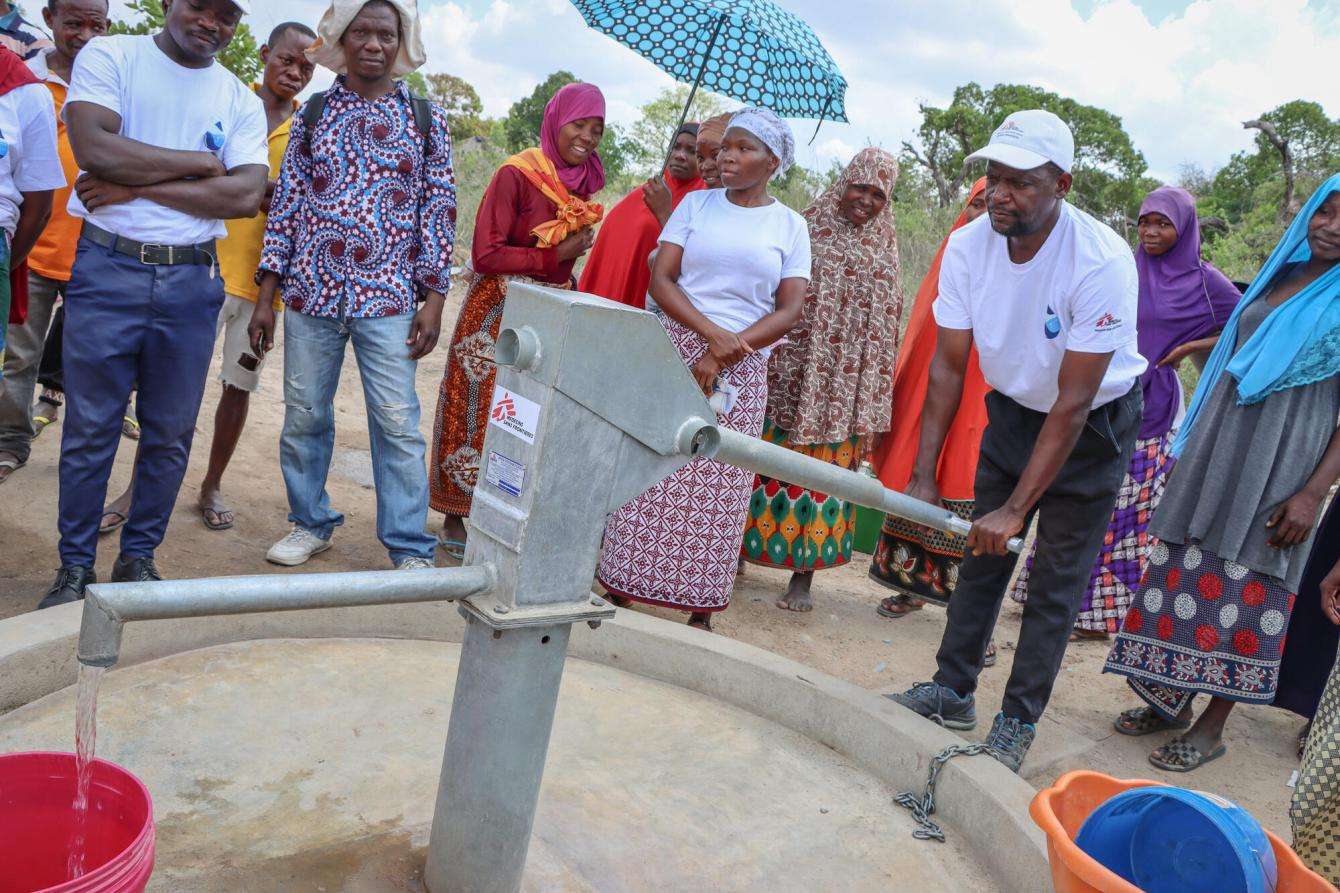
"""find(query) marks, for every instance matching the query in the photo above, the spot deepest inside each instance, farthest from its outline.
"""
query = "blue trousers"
(128, 323)
(313, 356)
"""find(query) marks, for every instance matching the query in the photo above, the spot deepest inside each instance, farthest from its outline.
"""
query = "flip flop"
(989, 660)
(40, 423)
(130, 427)
(1147, 721)
(219, 523)
(104, 529)
(454, 549)
(8, 466)
(900, 605)
(1180, 756)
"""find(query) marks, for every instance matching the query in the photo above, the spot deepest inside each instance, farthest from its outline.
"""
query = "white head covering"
(772, 131)
(328, 52)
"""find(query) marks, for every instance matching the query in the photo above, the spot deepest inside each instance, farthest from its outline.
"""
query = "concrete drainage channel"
(982, 806)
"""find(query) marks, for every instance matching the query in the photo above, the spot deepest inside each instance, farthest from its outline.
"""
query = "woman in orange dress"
(919, 563)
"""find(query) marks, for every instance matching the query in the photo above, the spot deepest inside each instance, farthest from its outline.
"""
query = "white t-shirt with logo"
(168, 105)
(30, 160)
(735, 257)
(1079, 292)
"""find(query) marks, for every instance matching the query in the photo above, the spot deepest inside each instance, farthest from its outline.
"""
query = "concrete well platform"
(312, 765)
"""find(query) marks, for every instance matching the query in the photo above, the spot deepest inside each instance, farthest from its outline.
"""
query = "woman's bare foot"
(453, 528)
(797, 597)
(702, 620)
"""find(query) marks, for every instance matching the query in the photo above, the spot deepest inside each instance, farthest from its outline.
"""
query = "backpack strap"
(423, 118)
(311, 111)
(422, 109)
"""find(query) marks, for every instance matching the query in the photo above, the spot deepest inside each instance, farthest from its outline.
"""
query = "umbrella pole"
(697, 82)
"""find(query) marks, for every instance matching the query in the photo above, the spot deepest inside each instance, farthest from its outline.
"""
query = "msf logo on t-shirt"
(1051, 326)
(1106, 323)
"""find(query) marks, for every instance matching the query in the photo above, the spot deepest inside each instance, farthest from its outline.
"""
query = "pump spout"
(108, 607)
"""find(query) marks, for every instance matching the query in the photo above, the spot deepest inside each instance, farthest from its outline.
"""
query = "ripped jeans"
(313, 356)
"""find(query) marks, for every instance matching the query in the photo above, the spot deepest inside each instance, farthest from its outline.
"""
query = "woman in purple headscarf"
(534, 221)
(1184, 302)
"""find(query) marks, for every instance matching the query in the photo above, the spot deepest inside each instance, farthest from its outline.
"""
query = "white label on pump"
(508, 475)
(514, 414)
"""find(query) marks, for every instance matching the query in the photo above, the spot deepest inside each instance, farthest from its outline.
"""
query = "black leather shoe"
(69, 586)
(134, 570)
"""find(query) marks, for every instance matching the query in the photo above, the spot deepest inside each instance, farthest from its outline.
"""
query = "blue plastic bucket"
(1171, 840)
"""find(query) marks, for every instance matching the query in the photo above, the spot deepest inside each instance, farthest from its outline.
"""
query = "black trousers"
(1073, 516)
(51, 371)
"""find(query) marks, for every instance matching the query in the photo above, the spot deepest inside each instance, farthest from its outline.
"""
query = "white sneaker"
(414, 563)
(294, 549)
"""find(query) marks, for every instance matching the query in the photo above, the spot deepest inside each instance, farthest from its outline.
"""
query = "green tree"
(465, 110)
(241, 56)
(522, 124)
(1109, 171)
(650, 136)
(1252, 197)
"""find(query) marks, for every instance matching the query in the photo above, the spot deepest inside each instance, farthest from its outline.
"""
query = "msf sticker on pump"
(514, 414)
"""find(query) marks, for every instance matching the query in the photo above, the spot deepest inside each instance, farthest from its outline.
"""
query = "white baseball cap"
(1030, 139)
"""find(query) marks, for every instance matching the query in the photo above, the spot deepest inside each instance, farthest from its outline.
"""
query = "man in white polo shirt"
(1048, 296)
(171, 144)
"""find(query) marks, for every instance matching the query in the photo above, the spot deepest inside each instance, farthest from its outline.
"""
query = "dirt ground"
(843, 636)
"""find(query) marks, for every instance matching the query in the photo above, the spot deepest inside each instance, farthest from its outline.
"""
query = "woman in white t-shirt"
(730, 280)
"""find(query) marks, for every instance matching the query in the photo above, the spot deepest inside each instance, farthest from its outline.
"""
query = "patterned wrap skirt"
(678, 544)
(1201, 624)
(1315, 811)
(1121, 561)
(794, 528)
(466, 394)
(918, 561)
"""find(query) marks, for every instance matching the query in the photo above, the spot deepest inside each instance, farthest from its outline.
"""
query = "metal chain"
(923, 807)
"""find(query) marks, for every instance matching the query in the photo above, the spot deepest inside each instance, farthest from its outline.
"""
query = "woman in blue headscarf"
(1257, 454)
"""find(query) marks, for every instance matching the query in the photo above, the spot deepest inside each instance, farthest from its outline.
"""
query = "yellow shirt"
(240, 250)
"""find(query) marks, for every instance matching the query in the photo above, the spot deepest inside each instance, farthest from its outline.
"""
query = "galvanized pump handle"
(778, 462)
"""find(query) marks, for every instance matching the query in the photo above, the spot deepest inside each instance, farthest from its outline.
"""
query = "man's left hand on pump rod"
(992, 531)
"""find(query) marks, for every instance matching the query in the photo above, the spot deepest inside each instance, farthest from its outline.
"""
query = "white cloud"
(1183, 87)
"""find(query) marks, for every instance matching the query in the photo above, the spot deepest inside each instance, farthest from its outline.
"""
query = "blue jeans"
(128, 322)
(313, 355)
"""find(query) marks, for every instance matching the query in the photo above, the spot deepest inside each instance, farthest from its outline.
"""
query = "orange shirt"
(53, 255)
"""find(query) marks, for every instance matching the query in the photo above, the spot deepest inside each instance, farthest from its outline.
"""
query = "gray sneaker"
(414, 563)
(1010, 739)
(939, 703)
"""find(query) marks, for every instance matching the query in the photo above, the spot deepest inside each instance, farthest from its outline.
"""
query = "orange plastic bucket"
(1060, 810)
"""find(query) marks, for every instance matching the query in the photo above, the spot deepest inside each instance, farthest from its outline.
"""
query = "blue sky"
(1182, 74)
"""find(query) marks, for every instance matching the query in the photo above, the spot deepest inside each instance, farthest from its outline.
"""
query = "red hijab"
(617, 268)
(898, 451)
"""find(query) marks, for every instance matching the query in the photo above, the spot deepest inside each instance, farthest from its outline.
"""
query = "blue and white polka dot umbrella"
(750, 50)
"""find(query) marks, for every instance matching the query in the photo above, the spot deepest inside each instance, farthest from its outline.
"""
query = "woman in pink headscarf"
(534, 221)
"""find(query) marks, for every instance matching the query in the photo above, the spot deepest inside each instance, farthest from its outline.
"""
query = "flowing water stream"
(85, 741)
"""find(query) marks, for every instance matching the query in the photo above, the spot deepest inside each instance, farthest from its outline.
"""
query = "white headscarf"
(328, 52)
(772, 131)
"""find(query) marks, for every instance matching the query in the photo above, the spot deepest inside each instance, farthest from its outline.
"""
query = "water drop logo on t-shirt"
(1052, 326)
(4, 145)
(214, 137)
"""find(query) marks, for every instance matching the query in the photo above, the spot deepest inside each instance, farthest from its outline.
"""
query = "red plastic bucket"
(37, 815)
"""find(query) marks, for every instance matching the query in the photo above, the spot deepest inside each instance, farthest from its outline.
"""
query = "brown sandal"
(900, 605)
(1140, 721)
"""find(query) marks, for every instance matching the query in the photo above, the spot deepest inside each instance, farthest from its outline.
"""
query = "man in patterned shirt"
(358, 244)
(19, 35)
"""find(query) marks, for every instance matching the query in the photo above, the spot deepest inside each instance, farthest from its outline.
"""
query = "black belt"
(154, 255)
